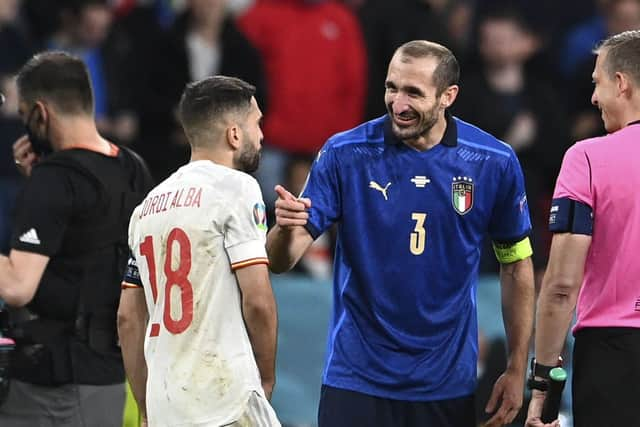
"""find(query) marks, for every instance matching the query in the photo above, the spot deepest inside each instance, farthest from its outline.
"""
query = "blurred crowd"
(319, 68)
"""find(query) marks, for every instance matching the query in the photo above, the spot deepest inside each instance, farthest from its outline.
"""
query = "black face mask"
(41, 146)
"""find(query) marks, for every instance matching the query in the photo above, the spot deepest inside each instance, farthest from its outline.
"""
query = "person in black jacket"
(68, 253)
(203, 41)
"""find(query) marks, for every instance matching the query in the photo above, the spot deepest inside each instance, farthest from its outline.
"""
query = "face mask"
(41, 146)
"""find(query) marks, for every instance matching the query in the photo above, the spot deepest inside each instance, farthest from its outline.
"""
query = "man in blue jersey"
(413, 193)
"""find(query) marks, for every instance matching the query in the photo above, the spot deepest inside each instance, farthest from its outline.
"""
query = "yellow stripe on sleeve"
(127, 285)
(248, 262)
(512, 252)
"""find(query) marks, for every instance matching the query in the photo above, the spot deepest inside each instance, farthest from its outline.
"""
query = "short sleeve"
(510, 220)
(44, 211)
(323, 189)
(246, 227)
(574, 179)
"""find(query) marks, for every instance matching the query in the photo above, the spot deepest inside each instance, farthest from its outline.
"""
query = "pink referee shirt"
(604, 173)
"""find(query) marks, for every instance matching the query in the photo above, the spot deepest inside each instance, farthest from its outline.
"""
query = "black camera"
(6, 347)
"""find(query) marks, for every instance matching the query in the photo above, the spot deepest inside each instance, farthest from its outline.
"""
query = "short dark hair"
(58, 78)
(622, 54)
(447, 71)
(210, 99)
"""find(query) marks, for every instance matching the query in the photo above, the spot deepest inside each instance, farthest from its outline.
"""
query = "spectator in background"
(15, 45)
(611, 17)
(15, 48)
(11, 128)
(550, 20)
(203, 41)
(505, 100)
(42, 18)
(84, 30)
(617, 16)
(315, 64)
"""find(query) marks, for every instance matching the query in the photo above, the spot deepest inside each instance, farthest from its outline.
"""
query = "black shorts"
(606, 377)
(344, 408)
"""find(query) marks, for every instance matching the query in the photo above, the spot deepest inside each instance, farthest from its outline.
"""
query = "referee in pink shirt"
(595, 255)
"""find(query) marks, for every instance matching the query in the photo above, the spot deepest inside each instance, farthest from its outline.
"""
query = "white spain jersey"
(187, 237)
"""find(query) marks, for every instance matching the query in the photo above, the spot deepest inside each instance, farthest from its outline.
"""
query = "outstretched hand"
(290, 210)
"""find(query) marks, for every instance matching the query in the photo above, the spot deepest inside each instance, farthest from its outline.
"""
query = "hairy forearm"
(559, 293)
(262, 326)
(284, 248)
(518, 295)
(556, 304)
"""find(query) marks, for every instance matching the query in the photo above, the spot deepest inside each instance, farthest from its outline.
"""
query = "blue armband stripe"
(570, 216)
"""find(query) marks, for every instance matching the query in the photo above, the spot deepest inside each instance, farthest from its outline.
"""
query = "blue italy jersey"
(411, 225)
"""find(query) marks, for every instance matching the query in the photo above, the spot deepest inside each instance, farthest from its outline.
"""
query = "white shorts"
(258, 413)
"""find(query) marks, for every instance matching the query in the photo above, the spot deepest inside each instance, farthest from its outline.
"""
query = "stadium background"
(319, 68)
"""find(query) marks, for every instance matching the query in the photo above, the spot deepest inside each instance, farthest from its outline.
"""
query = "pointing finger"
(283, 193)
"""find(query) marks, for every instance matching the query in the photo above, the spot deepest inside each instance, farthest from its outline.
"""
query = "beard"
(423, 125)
(248, 159)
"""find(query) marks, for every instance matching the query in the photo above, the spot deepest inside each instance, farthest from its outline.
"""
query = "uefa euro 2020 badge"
(462, 194)
(260, 216)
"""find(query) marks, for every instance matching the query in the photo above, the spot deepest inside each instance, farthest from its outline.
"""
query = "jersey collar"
(449, 139)
(635, 122)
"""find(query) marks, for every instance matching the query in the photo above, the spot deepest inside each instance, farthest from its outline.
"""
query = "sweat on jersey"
(187, 237)
(410, 229)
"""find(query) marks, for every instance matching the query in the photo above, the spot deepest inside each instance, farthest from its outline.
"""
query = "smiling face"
(606, 95)
(411, 97)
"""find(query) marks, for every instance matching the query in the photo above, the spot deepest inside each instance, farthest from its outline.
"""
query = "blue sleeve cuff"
(313, 230)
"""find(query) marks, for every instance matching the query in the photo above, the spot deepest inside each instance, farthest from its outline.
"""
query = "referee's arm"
(559, 293)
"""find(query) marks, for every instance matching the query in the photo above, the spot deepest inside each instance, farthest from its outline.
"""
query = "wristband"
(540, 371)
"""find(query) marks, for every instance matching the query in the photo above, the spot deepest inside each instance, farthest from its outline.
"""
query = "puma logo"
(376, 186)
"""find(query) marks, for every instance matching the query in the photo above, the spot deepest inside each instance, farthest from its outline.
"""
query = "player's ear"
(449, 96)
(40, 115)
(623, 85)
(234, 136)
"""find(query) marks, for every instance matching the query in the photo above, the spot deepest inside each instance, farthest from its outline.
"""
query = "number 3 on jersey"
(174, 277)
(419, 234)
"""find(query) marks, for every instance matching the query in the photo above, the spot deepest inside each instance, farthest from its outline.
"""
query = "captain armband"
(570, 216)
(506, 253)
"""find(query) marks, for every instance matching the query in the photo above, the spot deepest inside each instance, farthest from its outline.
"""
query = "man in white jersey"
(593, 262)
(199, 263)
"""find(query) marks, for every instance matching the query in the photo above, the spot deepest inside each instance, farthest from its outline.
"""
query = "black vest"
(84, 350)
